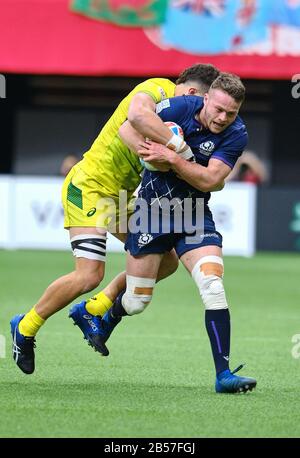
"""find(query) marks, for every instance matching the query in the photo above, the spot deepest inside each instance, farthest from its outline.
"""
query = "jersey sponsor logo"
(213, 234)
(207, 148)
(144, 239)
(162, 105)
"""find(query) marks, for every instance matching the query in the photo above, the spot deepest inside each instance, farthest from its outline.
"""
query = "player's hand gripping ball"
(177, 130)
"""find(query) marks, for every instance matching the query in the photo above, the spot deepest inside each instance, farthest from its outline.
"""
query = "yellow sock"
(31, 323)
(99, 304)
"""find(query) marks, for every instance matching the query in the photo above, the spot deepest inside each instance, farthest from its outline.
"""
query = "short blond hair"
(231, 84)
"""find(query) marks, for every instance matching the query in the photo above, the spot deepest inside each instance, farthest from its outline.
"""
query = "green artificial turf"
(159, 378)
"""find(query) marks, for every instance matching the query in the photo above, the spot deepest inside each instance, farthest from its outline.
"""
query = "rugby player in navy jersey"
(92, 196)
(217, 137)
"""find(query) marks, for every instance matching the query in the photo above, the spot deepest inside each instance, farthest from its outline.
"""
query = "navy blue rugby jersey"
(226, 146)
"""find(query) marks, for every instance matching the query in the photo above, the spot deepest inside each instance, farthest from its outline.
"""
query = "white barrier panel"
(39, 214)
(32, 215)
(234, 210)
(5, 210)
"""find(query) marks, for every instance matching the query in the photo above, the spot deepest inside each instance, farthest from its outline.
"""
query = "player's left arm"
(206, 179)
(130, 136)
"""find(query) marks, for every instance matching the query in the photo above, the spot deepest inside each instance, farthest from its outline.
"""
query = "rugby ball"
(177, 130)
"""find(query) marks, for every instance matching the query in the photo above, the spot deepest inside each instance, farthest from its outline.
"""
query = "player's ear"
(193, 91)
(205, 98)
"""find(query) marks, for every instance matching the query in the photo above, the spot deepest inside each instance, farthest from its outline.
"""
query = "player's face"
(219, 111)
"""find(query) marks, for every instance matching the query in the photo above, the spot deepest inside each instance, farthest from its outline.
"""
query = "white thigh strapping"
(89, 246)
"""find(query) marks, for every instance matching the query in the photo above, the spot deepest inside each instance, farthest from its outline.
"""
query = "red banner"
(45, 37)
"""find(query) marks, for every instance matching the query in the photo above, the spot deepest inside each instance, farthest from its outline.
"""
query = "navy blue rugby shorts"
(141, 243)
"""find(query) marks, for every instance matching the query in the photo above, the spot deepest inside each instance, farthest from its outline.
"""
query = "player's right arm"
(143, 118)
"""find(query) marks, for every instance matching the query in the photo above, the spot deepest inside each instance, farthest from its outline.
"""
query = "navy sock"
(117, 310)
(218, 329)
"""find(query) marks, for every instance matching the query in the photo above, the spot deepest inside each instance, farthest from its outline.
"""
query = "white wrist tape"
(187, 154)
(176, 143)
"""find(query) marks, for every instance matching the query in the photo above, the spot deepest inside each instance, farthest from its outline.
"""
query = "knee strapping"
(208, 274)
(138, 294)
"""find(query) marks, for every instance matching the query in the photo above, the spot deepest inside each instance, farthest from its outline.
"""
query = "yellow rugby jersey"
(108, 160)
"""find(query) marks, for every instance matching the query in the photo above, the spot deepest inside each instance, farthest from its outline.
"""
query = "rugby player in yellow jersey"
(91, 204)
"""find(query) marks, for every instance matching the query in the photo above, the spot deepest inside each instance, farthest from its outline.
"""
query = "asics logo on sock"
(226, 357)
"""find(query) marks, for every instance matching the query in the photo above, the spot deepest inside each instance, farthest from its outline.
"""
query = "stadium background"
(64, 74)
